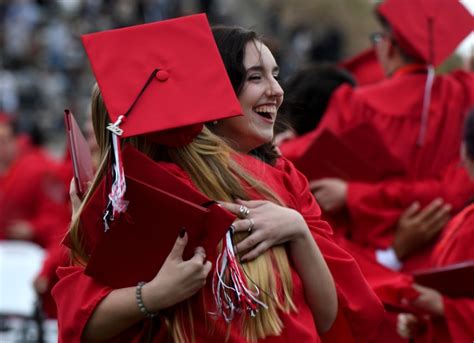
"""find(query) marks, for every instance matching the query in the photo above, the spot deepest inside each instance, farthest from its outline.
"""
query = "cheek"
(233, 125)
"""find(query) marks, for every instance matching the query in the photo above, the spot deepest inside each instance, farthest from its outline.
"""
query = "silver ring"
(251, 226)
(243, 212)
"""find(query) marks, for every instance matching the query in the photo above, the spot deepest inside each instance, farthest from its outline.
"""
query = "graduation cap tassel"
(426, 105)
(117, 193)
(229, 286)
(428, 86)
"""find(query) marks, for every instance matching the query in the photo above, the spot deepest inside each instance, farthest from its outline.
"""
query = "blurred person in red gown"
(419, 115)
(32, 196)
(450, 319)
(57, 255)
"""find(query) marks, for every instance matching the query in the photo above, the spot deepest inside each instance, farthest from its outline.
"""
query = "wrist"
(151, 297)
(400, 249)
(301, 231)
(439, 306)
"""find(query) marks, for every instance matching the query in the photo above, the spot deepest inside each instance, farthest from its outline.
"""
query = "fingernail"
(182, 232)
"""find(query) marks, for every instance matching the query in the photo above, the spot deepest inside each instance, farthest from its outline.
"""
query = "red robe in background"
(365, 67)
(455, 246)
(57, 255)
(77, 295)
(31, 191)
(394, 107)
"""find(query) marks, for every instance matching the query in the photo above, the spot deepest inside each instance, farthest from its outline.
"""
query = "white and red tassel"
(229, 286)
(426, 105)
(119, 186)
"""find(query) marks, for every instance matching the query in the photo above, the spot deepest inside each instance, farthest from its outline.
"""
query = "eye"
(254, 77)
(276, 77)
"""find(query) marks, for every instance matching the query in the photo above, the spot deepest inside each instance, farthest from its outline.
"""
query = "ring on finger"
(251, 226)
(243, 212)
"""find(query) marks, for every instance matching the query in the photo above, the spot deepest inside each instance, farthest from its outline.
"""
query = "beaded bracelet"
(141, 305)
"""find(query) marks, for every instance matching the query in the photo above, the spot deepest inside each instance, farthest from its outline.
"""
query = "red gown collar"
(412, 68)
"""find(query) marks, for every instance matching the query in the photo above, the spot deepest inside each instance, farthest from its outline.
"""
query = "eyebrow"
(260, 68)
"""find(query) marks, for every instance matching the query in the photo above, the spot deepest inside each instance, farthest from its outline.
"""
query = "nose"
(274, 88)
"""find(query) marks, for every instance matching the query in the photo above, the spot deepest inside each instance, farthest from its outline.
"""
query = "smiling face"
(260, 97)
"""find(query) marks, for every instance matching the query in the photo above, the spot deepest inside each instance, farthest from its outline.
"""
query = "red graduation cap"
(162, 75)
(165, 77)
(365, 67)
(428, 29)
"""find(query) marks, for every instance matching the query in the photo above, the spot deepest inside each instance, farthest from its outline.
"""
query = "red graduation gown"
(394, 106)
(359, 305)
(360, 311)
(74, 311)
(31, 191)
(455, 246)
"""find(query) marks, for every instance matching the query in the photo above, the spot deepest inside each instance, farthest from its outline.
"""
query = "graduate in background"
(302, 301)
(33, 198)
(420, 117)
(57, 254)
(307, 94)
(451, 319)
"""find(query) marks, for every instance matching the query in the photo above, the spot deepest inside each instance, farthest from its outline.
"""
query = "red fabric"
(57, 256)
(31, 191)
(73, 315)
(361, 308)
(427, 29)
(190, 65)
(359, 305)
(456, 246)
(365, 67)
(375, 208)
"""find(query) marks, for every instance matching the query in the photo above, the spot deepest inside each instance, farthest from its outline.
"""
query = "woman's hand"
(267, 224)
(331, 193)
(418, 227)
(410, 326)
(75, 201)
(177, 279)
(429, 300)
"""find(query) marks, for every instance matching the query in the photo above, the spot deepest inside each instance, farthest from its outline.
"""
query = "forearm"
(319, 287)
(114, 314)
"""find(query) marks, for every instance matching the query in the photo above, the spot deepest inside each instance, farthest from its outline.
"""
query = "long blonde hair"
(207, 160)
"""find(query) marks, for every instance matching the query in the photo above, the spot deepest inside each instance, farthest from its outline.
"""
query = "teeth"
(266, 109)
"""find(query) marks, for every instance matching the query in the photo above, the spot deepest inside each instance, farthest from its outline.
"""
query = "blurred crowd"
(43, 68)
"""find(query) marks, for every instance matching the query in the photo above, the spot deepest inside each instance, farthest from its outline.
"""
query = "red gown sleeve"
(57, 256)
(76, 296)
(459, 317)
(376, 207)
(360, 309)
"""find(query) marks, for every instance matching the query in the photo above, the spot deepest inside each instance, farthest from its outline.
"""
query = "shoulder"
(466, 220)
(291, 176)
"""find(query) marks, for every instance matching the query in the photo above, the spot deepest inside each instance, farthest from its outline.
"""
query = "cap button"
(162, 75)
